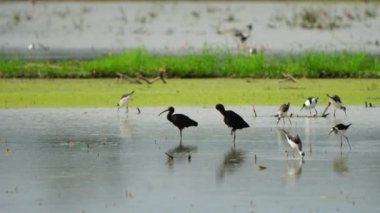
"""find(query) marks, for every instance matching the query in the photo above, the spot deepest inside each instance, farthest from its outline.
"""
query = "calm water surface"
(94, 160)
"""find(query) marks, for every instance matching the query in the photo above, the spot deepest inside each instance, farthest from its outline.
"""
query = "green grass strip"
(26, 93)
(208, 63)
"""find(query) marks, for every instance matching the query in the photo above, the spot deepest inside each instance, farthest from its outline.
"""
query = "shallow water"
(94, 160)
(87, 29)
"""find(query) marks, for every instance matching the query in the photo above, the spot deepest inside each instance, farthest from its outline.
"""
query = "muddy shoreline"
(55, 30)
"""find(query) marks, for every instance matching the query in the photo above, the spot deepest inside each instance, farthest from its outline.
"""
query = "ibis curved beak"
(163, 111)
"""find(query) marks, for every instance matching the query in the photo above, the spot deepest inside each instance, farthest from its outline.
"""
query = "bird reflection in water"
(232, 160)
(125, 127)
(340, 165)
(179, 152)
(294, 170)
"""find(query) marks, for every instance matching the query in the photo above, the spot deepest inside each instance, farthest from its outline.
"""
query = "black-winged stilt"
(179, 120)
(124, 101)
(243, 35)
(340, 129)
(232, 120)
(283, 112)
(335, 100)
(310, 103)
(294, 142)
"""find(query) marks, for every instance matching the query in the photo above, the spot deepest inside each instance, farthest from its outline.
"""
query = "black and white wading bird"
(294, 142)
(123, 102)
(283, 112)
(243, 35)
(335, 100)
(310, 103)
(179, 120)
(340, 129)
(232, 120)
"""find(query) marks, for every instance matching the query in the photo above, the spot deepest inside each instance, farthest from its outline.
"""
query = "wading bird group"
(236, 122)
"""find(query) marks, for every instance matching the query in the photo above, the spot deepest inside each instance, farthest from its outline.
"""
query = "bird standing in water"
(283, 112)
(340, 129)
(179, 120)
(232, 120)
(310, 103)
(124, 101)
(294, 142)
(335, 100)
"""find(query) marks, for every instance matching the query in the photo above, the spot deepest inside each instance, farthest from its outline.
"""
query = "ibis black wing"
(234, 120)
(182, 121)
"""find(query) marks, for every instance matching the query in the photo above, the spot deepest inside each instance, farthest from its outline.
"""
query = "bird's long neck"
(222, 111)
(170, 115)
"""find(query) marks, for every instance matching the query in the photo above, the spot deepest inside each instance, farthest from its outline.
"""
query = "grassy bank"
(182, 92)
(206, 64)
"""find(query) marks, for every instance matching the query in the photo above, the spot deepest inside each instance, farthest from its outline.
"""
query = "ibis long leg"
(234, 138)
(180, 135)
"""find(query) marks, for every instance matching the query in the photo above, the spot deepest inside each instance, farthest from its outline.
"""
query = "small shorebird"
(124, 101)
(179, 120)
(294, 142)
(243, 35)
(335, 100)
(310, 103)
(283, 112)
(232, 120)
(340, 129)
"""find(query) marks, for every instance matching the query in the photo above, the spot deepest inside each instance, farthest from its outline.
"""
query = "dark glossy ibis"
(179, 120)
(340, 129)
(124, 101)
(283, 112)
(335, 100)
(232, 120)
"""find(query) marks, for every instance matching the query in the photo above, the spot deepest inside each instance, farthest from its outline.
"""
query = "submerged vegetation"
(208, 63)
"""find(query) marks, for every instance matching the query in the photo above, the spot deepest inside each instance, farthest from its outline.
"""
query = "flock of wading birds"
(235, 121)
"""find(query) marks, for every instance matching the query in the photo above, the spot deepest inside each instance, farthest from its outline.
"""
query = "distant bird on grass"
(283, 112)
(310, 103)
(340, 129)
(335, 100)
(123, 102)
(294, 142)
(179, 120)
(232, 120)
